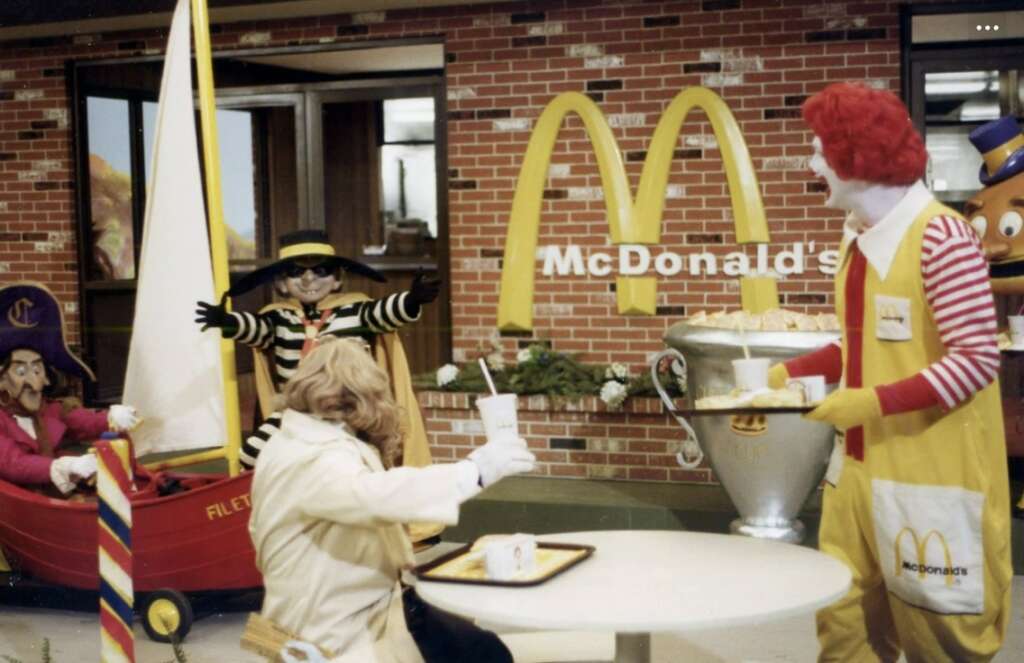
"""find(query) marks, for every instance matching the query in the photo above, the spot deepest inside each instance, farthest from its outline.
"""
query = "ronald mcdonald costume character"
(35, 431)
(308, 275)
(916, 502)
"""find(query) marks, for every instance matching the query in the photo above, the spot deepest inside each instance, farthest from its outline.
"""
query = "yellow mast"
(215, 213)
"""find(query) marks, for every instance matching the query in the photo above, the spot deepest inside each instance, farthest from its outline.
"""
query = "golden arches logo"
(921, 548)
(18, 314)
(629, 221)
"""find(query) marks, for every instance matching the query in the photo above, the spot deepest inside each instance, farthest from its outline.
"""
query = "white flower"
(446, 374)
(524, 355)
(495, 361)
(616, 371)
(613, 394)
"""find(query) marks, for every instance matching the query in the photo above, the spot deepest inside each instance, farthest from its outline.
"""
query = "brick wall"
(571, 439)
(504, 63)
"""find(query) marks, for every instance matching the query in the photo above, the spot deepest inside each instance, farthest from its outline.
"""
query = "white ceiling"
(349, 61)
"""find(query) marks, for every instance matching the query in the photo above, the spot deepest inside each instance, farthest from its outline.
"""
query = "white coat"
(326, 527)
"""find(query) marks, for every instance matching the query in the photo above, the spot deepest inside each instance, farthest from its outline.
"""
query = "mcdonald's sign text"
(637, 260)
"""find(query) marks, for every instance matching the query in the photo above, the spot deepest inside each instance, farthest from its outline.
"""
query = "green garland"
(541, 370)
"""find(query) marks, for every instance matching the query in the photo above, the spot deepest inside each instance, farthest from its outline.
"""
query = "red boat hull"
(196, 540)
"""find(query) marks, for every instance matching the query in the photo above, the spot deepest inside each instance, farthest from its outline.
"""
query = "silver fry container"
(768, 463)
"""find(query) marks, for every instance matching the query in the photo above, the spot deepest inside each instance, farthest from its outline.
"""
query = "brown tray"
(552, 559)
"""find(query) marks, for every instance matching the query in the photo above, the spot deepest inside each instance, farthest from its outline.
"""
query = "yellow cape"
(390, 356)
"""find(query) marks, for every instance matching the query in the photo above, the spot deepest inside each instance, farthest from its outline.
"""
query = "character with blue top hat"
(997, 211)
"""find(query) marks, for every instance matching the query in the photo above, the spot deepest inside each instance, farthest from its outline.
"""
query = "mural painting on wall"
(111, 211)
(632, 222)
(997, 211)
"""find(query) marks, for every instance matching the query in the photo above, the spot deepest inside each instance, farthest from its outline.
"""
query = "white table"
(641, 582)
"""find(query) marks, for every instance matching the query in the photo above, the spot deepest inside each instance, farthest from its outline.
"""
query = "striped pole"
(113, 481)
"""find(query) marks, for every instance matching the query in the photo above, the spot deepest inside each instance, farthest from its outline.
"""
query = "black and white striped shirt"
(283, 330)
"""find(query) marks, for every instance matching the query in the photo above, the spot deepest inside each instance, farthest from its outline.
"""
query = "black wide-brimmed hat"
(30, 318)
(303, 246)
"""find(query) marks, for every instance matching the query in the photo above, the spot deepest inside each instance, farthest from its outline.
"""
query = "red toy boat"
(193, 540)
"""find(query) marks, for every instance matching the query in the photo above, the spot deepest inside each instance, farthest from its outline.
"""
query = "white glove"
(66, 471)
(501, 458)
(122, 418)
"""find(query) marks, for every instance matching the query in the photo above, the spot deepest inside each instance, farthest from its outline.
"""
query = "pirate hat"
(1001, 144)
(30, 318)
(304, 246)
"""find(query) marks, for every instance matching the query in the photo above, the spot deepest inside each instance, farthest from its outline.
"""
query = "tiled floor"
(74, 638)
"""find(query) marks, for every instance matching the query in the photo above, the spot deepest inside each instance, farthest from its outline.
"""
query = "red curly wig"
(866, 134)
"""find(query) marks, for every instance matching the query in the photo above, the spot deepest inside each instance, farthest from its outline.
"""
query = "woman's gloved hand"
(502, 457)
(215, 315)
(848, 408)
(777, 376)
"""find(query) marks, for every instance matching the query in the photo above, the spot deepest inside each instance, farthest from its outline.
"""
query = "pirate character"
(35, 429)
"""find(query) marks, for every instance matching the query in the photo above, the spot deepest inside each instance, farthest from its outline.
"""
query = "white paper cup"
(1016, 329)
(751, 374)
(507, 558)
(813, 387)
(498, 414)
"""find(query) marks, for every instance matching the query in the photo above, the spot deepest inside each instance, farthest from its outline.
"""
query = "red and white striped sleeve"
(958, 291)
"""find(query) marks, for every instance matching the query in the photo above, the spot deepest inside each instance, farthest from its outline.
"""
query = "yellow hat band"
(997, 156)
(307, 249)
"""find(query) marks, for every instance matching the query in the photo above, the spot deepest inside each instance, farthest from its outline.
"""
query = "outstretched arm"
(246, 328)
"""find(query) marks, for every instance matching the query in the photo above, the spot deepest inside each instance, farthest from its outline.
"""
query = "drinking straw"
(743, 339)
(487, 376)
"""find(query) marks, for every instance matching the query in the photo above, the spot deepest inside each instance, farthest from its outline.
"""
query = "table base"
(632, 648)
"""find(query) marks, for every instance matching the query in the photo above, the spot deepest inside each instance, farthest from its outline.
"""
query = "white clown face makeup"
(840, 192)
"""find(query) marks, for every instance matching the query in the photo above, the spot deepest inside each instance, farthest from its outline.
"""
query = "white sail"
(174, 375)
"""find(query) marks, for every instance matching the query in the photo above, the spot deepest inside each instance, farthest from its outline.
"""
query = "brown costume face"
(24, 379)
(997, 215)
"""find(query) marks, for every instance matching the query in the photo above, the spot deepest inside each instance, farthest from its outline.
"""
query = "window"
(407, 176)
(324, 137)
(109, 148)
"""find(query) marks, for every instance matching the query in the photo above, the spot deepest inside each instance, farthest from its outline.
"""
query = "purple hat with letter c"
(1001, 144)
(30, 318)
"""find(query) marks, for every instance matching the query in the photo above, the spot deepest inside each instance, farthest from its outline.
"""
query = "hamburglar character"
(309, 276)
(35, 430)
(916, 502)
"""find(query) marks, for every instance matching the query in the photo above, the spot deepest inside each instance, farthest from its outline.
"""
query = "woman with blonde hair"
(328, 506)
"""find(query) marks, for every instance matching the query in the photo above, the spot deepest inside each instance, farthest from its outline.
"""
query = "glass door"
(377, 186)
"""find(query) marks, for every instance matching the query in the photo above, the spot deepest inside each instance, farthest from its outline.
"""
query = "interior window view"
(285, 167)
(462, 331)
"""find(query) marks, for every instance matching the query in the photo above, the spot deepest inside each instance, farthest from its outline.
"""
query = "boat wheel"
(166, 615)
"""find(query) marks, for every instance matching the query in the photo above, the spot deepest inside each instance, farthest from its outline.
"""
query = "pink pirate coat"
(21, 458)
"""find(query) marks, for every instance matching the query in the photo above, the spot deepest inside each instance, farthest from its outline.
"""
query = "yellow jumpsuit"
(922, 520)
